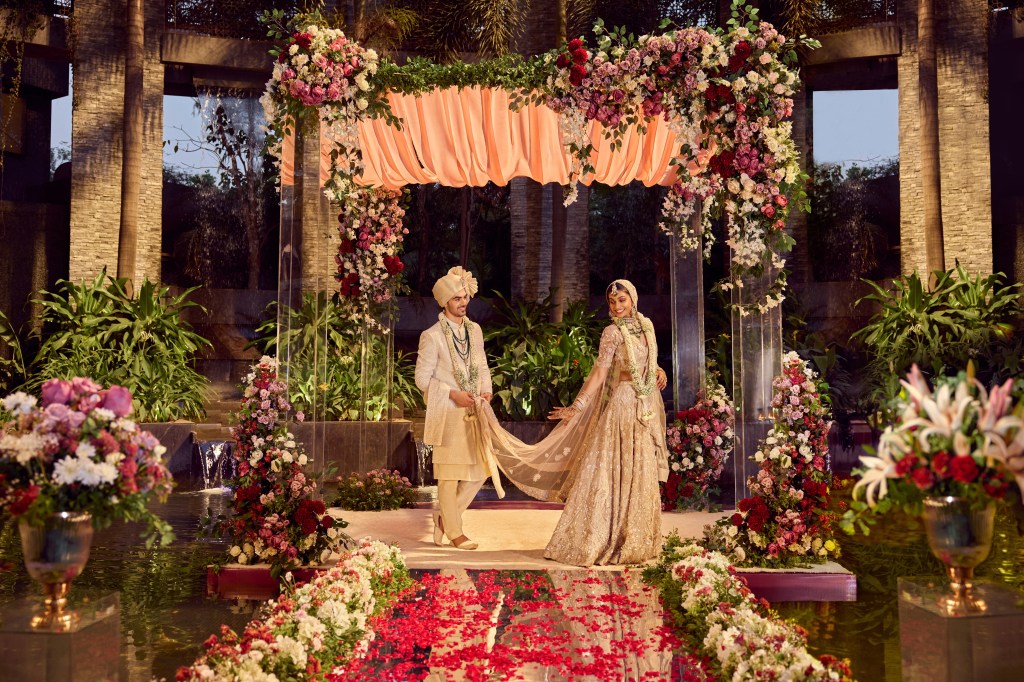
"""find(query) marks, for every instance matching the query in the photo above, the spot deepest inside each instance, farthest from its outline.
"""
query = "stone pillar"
(962, 40)
(96, 140)
(531, 239)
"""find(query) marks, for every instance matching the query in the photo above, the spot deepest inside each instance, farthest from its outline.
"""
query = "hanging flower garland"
(369, 256)
(724, 92)
(786, 521)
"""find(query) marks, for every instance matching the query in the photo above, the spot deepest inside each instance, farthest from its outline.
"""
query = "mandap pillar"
(756, 361)
(686, 270)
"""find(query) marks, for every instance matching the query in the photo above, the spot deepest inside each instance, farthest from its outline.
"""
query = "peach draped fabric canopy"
(471, 137)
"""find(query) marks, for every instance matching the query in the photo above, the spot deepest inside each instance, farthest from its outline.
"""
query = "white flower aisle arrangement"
(786, 521)
(276, 518)
(312, 628)
(699, 441)
(735, 634)
(79, 451)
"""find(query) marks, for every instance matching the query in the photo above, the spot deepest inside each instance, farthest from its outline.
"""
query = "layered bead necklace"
(467, 374)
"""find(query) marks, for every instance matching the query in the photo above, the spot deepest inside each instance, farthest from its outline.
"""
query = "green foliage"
(374, 491)
(541, 365)
(940, 328)
(141, 342)
(12, 362)
(335, 373)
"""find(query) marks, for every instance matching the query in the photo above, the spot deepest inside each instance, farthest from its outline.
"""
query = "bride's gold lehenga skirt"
(613, 510)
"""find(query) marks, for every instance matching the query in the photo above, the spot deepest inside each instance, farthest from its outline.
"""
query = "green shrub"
(99, 330)
(334, 371)
(940, 328)
(377, 490)
(540, 365)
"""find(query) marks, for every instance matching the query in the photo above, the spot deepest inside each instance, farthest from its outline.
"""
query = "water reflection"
(166, 615)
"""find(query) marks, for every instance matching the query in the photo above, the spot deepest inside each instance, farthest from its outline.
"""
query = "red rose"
(347, 246)
(940, 464)
(303, 40)
(756, 523)
(781, 200)
(964, 468)
(575, 44)
(577, 74)
(742, 49)
(922, 478)
(745, 504)
(737, 519)
(688, 490)
(579, 56)
(562, 61)
(24, 501)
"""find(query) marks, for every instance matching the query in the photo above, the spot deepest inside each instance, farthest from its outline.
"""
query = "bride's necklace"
(643, 383)
(633, 326)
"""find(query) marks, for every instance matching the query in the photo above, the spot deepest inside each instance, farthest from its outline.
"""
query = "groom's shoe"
(438, 530)
(462, 542)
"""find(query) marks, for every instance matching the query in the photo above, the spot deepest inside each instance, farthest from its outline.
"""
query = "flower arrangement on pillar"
(699, 442)
(276, 518)
(786, 521)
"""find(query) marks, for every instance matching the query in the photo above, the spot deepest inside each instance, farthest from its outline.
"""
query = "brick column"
(96, 140)
(962, 39)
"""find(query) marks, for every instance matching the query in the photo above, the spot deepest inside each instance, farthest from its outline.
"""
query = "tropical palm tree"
(131, 158)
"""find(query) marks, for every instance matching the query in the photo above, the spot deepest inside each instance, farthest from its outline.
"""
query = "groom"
(451, 371)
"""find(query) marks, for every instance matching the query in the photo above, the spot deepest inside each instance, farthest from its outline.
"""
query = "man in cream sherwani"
(452, 372)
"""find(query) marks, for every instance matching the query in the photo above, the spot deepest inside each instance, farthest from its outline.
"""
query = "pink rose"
(56, 391)
(118, 400)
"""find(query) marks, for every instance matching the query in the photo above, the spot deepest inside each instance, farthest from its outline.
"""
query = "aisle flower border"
(699, 441)
(786, 521)
(736, 634)
(312, 628)
(730, 87)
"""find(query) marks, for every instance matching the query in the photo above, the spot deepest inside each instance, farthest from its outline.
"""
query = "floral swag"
(731, 89)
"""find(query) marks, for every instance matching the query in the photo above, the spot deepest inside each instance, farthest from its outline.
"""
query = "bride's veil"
(545, 470)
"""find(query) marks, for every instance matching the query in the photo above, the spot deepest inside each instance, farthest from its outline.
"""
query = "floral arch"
(701, 111)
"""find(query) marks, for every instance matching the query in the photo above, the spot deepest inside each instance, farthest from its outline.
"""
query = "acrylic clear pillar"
(686, 270)
(756, 361)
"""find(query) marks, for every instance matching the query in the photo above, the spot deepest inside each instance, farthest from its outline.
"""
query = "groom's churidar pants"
(453, 498)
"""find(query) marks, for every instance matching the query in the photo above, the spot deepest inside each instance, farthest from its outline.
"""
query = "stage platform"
(512, 536)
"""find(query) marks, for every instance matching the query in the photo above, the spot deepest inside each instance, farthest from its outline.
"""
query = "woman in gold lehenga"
(607, 455)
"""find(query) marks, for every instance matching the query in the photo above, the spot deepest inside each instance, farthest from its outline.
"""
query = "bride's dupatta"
(544, 470)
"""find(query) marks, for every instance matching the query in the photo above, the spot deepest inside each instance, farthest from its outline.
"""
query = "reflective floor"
(166, 615)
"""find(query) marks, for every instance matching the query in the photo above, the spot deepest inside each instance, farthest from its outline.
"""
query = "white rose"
(235, 550)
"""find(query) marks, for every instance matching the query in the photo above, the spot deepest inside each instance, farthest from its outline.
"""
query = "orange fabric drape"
(471, 137)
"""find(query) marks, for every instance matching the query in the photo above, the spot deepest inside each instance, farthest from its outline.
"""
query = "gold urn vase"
(55, 554)
(960, 536)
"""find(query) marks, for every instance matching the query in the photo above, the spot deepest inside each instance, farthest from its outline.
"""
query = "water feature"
(423, 453)
(166, 615)
(216, 463)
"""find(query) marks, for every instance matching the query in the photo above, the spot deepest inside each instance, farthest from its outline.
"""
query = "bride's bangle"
(581, 402)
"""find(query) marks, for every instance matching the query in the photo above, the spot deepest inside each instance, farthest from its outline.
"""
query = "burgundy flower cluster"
(574, 57)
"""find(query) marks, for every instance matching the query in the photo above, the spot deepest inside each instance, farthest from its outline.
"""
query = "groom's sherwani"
(456, 454)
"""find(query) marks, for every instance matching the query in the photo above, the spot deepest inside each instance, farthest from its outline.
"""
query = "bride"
(606, 457)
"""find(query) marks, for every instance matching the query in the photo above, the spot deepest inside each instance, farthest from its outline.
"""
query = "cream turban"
(630, 289)
(457, 278)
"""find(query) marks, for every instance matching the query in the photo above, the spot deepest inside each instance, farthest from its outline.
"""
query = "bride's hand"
(562, 413)
(661, 379)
